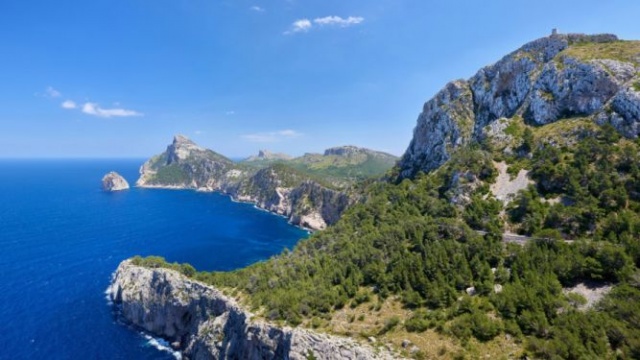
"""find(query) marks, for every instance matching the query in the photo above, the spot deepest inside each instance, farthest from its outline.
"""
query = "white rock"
(213, 326)
(114, 182)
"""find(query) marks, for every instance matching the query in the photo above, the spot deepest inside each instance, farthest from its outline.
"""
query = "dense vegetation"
(170, 174)
(410, 242)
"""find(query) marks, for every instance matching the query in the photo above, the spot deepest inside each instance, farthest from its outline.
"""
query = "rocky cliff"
(203, 323)
(277, 188)
(186, 165)
(559, 77)
(114, 182)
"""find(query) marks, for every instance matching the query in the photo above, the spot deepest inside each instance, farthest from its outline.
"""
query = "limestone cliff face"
(276, 188)
(545, 81)
(314, 206)
(114, 182)
(203, 323)
(304, 202)
(187, 165)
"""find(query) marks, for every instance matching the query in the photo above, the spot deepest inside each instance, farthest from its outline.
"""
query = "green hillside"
(339, 166)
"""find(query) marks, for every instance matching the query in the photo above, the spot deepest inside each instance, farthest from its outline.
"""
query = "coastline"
(231, 196)
(199, 321)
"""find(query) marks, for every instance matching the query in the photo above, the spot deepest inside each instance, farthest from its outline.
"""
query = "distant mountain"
(340, 166)
(265, 156)
(346, 162)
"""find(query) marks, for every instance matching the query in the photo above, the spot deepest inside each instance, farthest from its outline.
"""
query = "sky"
(118, 78)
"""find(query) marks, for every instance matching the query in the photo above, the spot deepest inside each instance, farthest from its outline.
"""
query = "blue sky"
(117, 78)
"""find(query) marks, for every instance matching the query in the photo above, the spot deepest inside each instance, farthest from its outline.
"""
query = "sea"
(62, 237)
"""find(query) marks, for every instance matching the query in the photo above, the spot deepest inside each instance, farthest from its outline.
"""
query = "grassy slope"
(626, 51)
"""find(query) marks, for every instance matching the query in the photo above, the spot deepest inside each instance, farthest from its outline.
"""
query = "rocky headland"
(559, 77)
(113, 181)
(203, 323)
(283, 187)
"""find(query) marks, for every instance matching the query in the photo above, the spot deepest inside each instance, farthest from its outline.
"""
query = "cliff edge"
(203, 323)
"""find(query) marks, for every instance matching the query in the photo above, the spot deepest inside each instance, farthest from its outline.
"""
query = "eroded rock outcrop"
(113, 181)
(203, 323)
(547, 80)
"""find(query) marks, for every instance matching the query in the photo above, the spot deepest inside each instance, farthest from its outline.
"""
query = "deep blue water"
(61, 238)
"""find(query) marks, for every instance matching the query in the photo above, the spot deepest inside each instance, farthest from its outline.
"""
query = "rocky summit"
(114, 182)
(563, 76)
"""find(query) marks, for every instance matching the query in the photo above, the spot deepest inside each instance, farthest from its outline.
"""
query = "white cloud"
(257, 8)
(52, 93)
(96, 110)
(198, 132)
(68, 104)
(302, 25)
(230, 112)
(272, 136)
(338, 21)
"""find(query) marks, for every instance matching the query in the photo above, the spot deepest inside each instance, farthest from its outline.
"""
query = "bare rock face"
(186, 165)
(574, 88)
(315, 207)
(445, 124)
(543, 82)
(304, 202)
(203, 323)
(114, 182)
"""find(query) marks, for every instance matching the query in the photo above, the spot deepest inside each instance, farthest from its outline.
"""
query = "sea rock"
(113, 181)
(540, 82)
(209, 325)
